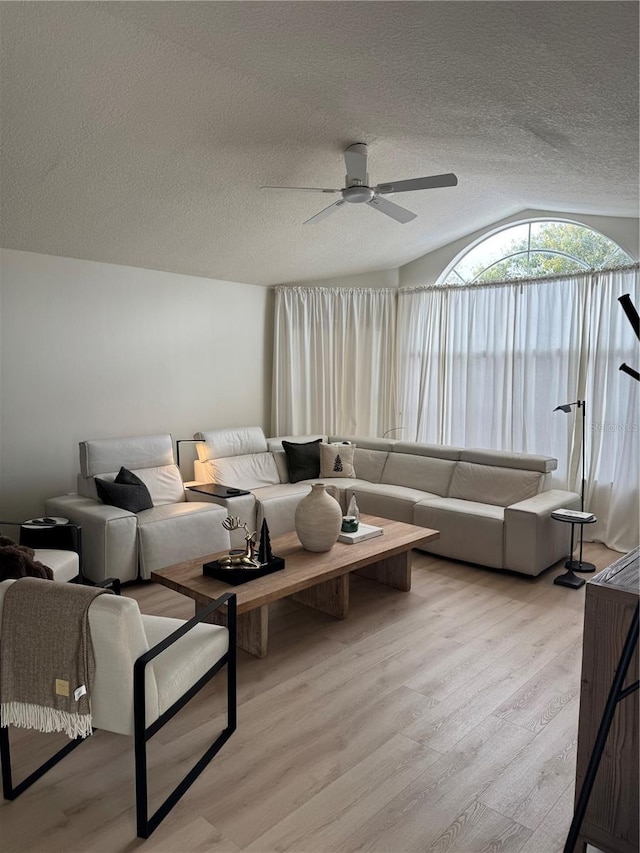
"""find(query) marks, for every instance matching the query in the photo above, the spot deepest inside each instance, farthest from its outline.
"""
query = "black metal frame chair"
(142, 733)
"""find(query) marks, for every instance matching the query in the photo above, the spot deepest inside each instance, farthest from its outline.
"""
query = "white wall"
(93, 350)
(427, 269)
(375, 278)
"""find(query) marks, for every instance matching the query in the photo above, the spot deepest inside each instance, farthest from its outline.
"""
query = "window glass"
(534, 250)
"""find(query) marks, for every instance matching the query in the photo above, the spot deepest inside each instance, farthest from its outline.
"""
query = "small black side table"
(569, 578)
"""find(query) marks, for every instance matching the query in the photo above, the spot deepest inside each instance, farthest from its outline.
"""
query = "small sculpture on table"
(265, 555)
(240, 566)
(238, 558)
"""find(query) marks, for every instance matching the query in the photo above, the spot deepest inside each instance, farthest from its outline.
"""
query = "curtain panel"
(334, 361)
(485, 366)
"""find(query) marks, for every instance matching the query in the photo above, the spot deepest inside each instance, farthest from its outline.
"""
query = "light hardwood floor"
(442, 719)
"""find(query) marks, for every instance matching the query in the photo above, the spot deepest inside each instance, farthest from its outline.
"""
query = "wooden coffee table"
(320, 581)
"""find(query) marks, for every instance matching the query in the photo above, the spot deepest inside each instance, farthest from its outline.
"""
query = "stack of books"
(364, 531)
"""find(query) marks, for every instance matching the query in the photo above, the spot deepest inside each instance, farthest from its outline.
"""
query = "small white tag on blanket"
(79, 692)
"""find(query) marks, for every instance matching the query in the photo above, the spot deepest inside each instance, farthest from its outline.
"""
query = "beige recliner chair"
(127, 545)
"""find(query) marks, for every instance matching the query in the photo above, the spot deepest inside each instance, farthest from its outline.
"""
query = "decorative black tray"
(236, 575)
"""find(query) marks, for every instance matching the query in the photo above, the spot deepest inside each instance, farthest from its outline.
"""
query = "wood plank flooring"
(443, 720)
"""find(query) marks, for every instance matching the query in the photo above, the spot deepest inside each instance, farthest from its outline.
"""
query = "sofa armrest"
(109, 536)
(533, 541)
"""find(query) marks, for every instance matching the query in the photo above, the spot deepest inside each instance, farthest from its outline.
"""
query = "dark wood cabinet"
(611, 820)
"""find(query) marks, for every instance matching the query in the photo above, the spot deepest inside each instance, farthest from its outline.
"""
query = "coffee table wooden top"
(302, 568)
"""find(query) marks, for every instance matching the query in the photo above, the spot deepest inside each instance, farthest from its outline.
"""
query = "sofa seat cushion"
(386, 501)
(65, 565)
(186, 661)
(469, 530)
(175, 533)
(495, 485)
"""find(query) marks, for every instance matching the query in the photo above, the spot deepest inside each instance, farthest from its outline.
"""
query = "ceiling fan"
(358, 191)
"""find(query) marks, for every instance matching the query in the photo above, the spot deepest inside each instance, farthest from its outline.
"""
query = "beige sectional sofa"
(126, 545)
(492, 508)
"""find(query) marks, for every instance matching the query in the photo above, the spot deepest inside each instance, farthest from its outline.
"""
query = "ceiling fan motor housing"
(358, 195)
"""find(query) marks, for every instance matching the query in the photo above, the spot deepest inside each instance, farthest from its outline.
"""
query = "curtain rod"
(519, 281)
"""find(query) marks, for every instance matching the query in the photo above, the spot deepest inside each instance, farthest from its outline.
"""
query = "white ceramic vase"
(318, 519)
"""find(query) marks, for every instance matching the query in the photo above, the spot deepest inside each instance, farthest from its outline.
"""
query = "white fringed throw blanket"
(46, 656)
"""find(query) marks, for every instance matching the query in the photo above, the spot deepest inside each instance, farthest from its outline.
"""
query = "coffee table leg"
(330, 597)
(394, 571)
(252, 628)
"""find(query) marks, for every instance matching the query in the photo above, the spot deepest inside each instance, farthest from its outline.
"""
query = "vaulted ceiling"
(140, 133)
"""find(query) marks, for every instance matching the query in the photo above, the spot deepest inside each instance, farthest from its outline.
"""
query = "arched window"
(533, 250)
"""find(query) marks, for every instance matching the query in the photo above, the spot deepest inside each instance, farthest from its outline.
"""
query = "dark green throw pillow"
(303, 459)
(127, 491)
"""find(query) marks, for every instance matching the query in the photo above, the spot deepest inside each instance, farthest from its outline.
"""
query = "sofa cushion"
(126, 491)
(105, 455)
(303, 459)
(492, 485)
(234, 441)
(437, 451)
(386, 501)
(336, 460)
(369, 464)
(65, 565)
(245, 472)
(181, 665)
(510, 459)
(469, 530)
(425, 473)
(174, 533)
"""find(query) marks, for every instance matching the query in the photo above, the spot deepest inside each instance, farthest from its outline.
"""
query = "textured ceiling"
(139, 133)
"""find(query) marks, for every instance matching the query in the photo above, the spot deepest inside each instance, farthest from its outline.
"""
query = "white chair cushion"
(181, 665)
(65, 565)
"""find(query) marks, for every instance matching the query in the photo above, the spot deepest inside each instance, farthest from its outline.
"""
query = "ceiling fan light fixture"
(358, 189)
(358, 195)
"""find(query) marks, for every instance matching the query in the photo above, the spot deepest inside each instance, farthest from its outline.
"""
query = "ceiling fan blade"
(428, 183)
(326, 212)
(355, 158)
(400, 214)
(303, 189)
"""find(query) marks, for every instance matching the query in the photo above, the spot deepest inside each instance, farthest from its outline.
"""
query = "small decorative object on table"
(318, 519)
(240, 566)
(351, 520)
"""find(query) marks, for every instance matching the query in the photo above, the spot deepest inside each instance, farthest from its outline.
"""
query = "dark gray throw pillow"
(127, 491)
(303, 459)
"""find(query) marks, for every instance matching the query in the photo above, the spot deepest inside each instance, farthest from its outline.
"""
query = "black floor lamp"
(571, 564)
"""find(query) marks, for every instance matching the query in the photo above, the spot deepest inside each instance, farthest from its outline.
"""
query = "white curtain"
(334, 361)
(485, 366)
